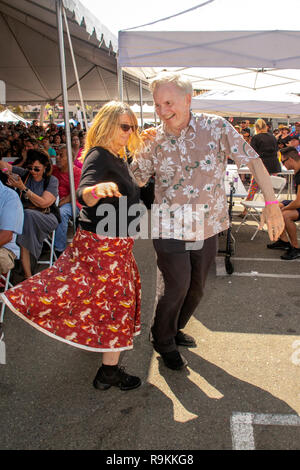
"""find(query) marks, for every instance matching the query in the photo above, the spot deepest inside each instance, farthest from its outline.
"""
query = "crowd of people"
(34, 161)
(91, 297)
(280, 146)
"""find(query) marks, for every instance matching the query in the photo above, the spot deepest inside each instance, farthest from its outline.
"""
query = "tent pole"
(120, 83)
(42, 112)
(141, 105)
(66, 106)
(75, 70)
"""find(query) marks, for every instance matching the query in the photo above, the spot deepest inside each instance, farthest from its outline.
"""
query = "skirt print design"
(90, 298)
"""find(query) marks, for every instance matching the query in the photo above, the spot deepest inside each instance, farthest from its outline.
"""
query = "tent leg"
(42, 112)
(75, 70)
(66, 106)
(120, 83)
(141, 105)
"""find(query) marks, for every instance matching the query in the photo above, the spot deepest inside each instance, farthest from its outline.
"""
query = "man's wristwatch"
(25, 191)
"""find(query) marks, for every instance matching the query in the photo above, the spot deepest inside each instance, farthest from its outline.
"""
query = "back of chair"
(278, 183)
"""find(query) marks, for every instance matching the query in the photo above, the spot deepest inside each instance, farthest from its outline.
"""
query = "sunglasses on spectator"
(126, 127)
(285, 160)
(34, 168)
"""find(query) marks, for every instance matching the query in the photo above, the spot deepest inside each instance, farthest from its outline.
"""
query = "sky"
(129, 13)
(216, 15)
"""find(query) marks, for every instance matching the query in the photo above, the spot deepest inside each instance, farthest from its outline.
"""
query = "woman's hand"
(148, 135)
(107, 190)
(93, 194)
(15, 181)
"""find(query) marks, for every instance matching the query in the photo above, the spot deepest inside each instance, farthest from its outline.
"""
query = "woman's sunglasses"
(35, 168)
(126, 127)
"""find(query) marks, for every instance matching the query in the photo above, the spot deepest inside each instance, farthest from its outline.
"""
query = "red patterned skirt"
(90, 298)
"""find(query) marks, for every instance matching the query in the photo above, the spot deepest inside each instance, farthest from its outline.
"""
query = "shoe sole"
(101, 386)
(279, 247)
(169, 366)
(185, 345)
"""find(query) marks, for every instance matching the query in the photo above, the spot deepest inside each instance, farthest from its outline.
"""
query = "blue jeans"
(66, 213)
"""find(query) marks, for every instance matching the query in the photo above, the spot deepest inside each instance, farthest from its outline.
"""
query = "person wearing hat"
(283, 136)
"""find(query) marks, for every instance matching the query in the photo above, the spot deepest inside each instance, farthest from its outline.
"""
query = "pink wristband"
(93, 193)
(271, 202)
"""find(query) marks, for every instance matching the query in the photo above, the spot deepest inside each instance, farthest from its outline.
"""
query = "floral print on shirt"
(190, 168)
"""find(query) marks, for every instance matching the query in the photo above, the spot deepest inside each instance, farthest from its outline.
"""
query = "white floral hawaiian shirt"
(190, 169)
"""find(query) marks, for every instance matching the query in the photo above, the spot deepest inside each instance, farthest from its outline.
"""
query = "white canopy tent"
(213, 45)
(9, 116)
(56, 50)
(30, 61)
(249, 103)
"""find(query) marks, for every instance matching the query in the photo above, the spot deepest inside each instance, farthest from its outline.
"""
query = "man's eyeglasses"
(126, 127)
(283, 161)
(34, 168)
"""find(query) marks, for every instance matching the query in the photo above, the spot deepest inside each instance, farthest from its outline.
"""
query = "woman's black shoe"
(119, 379)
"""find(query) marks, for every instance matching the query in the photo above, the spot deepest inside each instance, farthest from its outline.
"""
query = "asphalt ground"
(241, 389)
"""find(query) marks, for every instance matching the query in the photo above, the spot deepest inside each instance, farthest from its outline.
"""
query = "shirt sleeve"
(142, 166)
(11, 218)
(53, 186)
(94, 171)
(77, 176)
(234, 145)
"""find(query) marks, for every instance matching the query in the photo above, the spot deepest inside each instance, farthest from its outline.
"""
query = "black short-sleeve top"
(102, 166)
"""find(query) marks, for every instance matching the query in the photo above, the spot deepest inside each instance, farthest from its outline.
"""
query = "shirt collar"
(192, 124)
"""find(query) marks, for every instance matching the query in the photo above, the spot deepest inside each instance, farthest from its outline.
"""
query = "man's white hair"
(180, 81)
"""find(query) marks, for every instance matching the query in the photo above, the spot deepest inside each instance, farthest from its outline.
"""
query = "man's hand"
(272, 216)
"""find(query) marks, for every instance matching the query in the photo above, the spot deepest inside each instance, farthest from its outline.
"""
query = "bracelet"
(271, 202)
(94, 194)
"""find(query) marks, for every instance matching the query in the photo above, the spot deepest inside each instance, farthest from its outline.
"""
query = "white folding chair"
(255, 207)
(7, 285)
(50, 242)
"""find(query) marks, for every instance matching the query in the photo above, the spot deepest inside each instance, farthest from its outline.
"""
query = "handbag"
(53, 209)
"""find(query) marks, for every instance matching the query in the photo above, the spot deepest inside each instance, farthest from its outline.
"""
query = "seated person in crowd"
(47, 146)
(283, 136)
(290, 158)
(11, 224)
(61, 172)
(245, 126)
(294, 141)
(38, 192)
(29, 144)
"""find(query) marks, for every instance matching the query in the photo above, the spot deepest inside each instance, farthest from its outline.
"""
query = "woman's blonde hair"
(106, 125)
(260, 126)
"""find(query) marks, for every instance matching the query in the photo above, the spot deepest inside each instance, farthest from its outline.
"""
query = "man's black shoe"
(174, 360)
(182, 339)
(292, 253)
(279, 245)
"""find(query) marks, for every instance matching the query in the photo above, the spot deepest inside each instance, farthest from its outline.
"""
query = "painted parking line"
(242, 427)
(221, 270)
(266, 259)
(257, 274)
